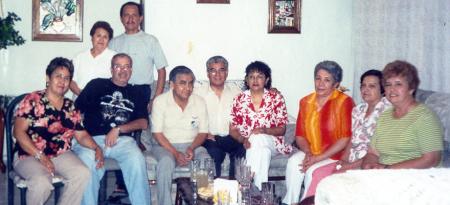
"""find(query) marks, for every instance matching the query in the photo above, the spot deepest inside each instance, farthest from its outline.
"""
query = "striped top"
(416, 133)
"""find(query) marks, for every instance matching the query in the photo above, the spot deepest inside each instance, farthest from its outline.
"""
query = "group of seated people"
(56, 136)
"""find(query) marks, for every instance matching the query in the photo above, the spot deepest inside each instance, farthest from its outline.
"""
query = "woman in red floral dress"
(259, 119)
(44, 126)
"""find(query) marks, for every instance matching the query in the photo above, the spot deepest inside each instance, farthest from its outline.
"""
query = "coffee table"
(185, 193)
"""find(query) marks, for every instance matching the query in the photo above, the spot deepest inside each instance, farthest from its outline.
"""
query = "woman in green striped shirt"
(409, 135)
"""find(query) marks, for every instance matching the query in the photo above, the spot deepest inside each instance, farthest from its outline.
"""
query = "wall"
(190, 33)
(25, 70)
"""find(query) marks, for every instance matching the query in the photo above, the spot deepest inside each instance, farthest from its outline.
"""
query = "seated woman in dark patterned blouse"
(44, 126)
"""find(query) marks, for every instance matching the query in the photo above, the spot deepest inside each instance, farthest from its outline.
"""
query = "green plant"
(8, 35)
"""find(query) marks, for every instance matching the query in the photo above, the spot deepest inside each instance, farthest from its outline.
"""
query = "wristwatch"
(114, 125)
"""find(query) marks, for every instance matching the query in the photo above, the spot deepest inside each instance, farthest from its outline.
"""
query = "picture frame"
(213, 1)
(57, 20)
(284, 16)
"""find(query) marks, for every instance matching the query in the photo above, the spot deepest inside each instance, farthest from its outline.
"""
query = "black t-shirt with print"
(105, 105)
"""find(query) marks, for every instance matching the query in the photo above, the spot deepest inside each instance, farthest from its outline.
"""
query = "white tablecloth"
(386, 187)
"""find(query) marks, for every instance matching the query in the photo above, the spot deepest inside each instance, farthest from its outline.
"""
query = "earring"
(46, 84)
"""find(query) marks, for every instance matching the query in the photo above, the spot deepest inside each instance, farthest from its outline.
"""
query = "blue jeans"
(131, 161)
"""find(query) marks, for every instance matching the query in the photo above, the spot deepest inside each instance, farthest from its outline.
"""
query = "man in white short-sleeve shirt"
(219, 99)
(180, 126)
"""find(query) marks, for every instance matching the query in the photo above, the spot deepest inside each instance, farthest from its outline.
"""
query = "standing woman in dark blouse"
(45, 124)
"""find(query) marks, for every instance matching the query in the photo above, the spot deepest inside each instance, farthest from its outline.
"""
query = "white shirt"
(219, 108)
(86, 67)
(177, 125)
(146, 53)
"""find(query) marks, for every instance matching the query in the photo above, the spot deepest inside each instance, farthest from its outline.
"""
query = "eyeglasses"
(257, 77)
(122, 67)
(219, 71)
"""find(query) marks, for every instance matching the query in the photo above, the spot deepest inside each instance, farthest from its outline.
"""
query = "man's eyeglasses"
(219, 71)
(122, 67)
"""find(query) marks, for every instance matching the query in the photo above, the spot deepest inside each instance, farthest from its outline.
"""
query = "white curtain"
(417, 31)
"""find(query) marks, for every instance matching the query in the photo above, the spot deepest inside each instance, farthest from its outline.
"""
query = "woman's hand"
(309, 161)
(246, 143)
(99, 158)
(47, 163)
(375, 165)
(342, 166)
(262, 130)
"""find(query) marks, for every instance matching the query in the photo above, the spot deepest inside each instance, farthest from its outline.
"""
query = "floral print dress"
(272, 113)
(363, 128)
(51, 130)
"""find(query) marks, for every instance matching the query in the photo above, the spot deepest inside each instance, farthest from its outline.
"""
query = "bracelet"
(38, 155)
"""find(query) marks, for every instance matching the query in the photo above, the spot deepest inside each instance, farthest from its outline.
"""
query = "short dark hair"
(179, 70)
(59, 62)
(104, 25)
(260, 67)
(121, 55)
(375, 73)
(130, 3)
(403, 69)
(217, 59)
(331, 67)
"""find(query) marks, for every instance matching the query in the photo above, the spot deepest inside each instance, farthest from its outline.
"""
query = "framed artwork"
(284, 16)
(213, 1)
(57, 20)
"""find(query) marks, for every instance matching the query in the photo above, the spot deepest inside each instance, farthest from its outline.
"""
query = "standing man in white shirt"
(219, 98)
(143, 48)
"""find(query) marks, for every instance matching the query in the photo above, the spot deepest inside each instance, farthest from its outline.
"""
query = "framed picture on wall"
(57, 20)
(214, 1)
(284, 16)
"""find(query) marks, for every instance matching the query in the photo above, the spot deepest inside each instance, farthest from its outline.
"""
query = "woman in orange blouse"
(323, 129)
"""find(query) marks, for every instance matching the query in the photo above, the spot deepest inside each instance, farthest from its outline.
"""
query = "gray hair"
(217, 59)
(121, 55)
(331, 67)
(179, 70)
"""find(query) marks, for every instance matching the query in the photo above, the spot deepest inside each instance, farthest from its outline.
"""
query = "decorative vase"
(58, 25)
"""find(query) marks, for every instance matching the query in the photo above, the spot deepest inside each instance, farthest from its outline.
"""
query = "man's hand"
(274, 90)
(99, 157)
(181, 159)
(189, 153)
(47, 164)
(211, 137)
(111, 137)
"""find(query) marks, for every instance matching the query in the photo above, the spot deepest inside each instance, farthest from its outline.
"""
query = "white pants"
(262, 148)
(295, 178)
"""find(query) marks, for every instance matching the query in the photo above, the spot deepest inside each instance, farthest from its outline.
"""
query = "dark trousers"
(218, 150)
